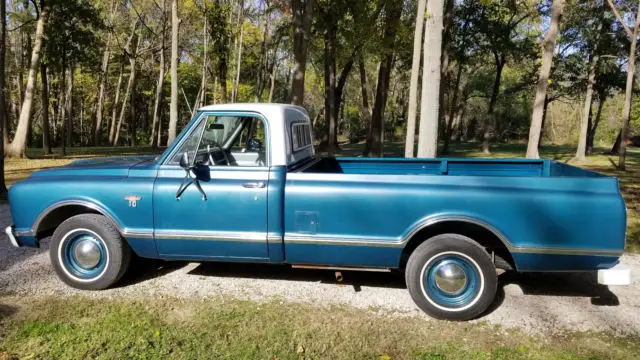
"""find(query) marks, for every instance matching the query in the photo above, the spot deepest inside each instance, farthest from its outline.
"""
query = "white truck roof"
(280, 117)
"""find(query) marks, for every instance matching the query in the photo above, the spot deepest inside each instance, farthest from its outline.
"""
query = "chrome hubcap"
(87, 253)
(450, 278)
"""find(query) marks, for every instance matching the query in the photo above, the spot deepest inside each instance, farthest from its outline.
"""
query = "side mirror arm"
(188, 168)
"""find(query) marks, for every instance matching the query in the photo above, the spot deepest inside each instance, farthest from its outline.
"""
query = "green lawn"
(82, 328)
(17, 169)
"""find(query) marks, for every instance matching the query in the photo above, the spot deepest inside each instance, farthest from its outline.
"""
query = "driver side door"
(232, 222)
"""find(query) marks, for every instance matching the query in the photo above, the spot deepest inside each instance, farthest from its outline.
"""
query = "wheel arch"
(55, 214)
(477, 230)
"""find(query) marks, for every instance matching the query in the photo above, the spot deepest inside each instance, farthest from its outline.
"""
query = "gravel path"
(535, 303)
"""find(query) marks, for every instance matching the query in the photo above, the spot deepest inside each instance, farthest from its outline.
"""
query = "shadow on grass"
(574, 284)
(6, 311)
(142, 269)
(357, 279)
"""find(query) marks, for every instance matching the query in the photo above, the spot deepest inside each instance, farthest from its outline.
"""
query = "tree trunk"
(626, 111)
(116, 100)
(157, 101)
(133, 117)
(302, 16)
(374, 138)
(59, 119)
(97, 126)
(7, 120)
(203, 82)
(415, 75)
(428, 132)
(18, 145)
(130, 88)
(46, 137)
(586, 116)
(543, 80)
(445, 58)
(3, 109)
(68, 125)
(488, 130)
(173, 109)
(338, 107)
(364, 87)
(237, 81)
(591, 133)
(328, 141)
(262, 64)
(273, 81)
(453, 110)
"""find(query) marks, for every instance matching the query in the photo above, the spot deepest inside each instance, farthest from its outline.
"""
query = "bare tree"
(415, 75)
(631, 66)
(548, 48)
(18, 145)
(302, 16)
(428, 132)
(173, 109)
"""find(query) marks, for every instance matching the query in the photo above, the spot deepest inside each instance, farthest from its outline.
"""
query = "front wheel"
(88, 253)
(451, 277)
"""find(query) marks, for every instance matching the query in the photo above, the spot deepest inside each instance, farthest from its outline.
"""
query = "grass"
(219, 328)
(18, 169)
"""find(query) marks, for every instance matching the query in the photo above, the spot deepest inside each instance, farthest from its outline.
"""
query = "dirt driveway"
(535, 303)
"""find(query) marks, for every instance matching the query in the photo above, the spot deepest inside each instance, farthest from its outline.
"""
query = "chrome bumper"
(12, 237)
(617, 275)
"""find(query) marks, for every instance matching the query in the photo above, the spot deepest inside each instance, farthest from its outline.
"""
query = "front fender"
(32, 200)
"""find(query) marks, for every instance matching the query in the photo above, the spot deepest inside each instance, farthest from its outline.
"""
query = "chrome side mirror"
(184, 161)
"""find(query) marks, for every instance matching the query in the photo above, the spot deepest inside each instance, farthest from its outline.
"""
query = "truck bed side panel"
(580, 221)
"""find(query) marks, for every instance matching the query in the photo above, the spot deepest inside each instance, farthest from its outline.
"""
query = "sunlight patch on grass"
(80, 327)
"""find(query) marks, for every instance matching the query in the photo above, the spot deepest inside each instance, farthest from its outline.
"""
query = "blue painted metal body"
(345, 211)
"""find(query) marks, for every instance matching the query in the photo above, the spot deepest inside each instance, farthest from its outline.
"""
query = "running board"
(339, 268)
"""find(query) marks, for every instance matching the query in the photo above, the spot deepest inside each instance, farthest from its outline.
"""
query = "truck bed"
(459, 167)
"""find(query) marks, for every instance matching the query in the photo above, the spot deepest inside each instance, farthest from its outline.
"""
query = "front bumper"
(11, 236)
(617, 275)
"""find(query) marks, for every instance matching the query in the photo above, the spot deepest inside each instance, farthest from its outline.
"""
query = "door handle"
(254, 185)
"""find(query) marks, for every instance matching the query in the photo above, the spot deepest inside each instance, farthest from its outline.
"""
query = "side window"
(301, 136)
(226, 141)
(254, 130)
(190, 146)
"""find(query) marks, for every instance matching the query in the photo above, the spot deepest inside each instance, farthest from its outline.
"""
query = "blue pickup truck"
(242, 183)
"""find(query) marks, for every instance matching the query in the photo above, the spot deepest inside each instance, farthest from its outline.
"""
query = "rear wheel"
(87, 252)
(451, 277)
